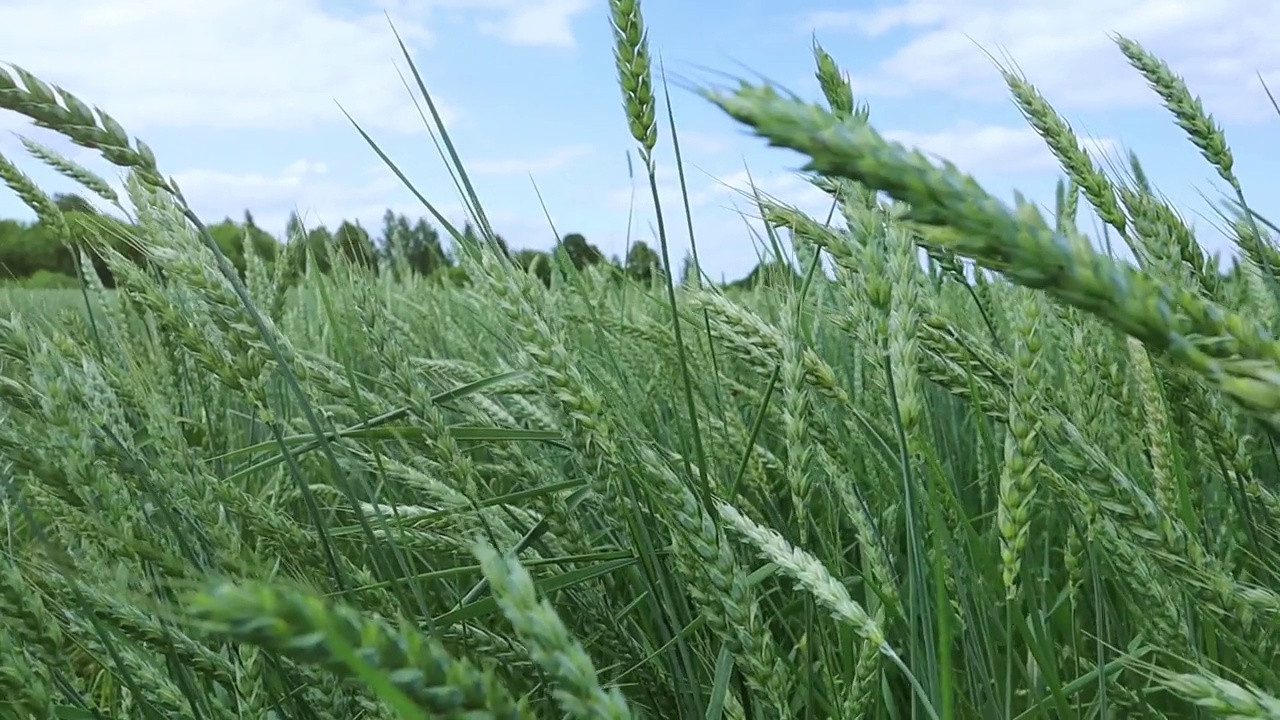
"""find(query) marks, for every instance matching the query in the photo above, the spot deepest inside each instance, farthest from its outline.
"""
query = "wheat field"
(970, 466)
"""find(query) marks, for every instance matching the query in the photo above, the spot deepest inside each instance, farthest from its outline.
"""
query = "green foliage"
(354, 245)
(455, 277)
(73, 202)
(581, 253)
(46, 280)
(232, 236)
(535, 261)
(643, 264)
(414, 247)
(27, 248)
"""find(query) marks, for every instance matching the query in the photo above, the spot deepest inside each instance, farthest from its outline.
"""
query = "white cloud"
(544, 23)
(254, 188)
(226, 64)
(738, 190)
(545, 163)
(695, 142)
(526, 23)
(240, 64)
(1066, 50)
(976, 149)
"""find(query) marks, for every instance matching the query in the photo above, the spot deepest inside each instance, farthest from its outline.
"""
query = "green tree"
(295, 245)
(471, 238)
(428, 253)
(31, 248)
(642, 262)
(417, 246)
(393, 250)
(293, 229)
(231, 236)
(26, 248)
(503, 247)
(535, 261)
(580, 252)
(319, 242)
(73, 202)
(354, 244)
(266, 245)
(689, 272)
(45, 280)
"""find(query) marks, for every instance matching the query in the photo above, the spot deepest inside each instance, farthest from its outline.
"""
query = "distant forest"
(32, 256)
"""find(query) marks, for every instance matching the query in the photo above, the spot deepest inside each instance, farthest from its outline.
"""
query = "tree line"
(32, 254)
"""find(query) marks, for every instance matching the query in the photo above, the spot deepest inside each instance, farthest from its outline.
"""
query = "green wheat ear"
(550, 644)
(835, 86)
(635, 75)
(73, 170)
(1020, 244)
(1221, 696)
(52, 108)
(1066, 147)
(1186, 108)
(312, 631)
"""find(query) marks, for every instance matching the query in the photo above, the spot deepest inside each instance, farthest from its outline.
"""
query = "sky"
(243, 102)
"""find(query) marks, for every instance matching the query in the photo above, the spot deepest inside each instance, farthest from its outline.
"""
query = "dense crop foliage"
(973, 468)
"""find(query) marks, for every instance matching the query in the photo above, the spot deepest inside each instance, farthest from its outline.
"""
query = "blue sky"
(239, 99)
